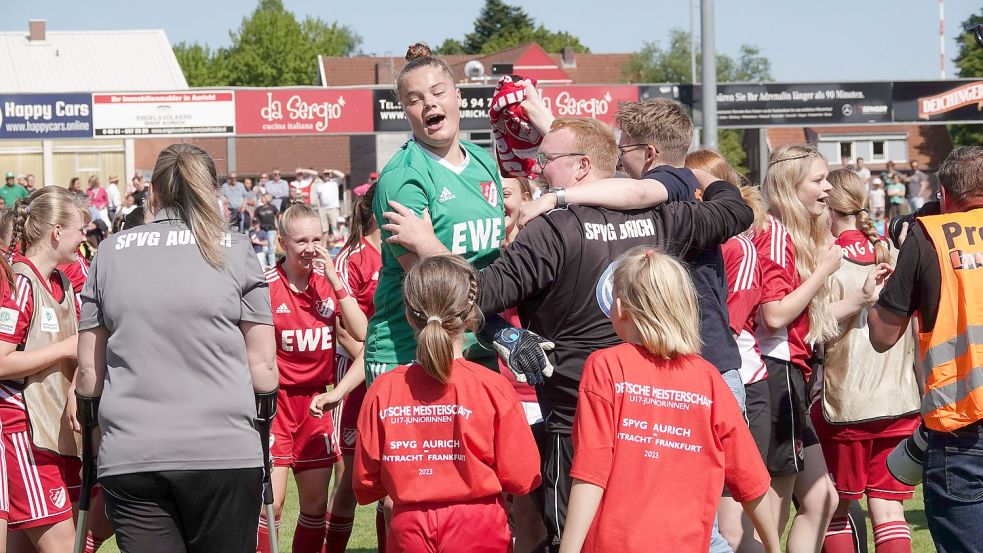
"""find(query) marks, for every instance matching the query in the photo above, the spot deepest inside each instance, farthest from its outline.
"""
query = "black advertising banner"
(765, 105)
(475, 103)
(943, 101)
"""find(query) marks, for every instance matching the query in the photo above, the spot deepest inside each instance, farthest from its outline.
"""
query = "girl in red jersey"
(307, 298)
(358, 265)
(870, 400)
(443, 437)
(38, 337)
(797, 256)
(743, 298)
(653, 406)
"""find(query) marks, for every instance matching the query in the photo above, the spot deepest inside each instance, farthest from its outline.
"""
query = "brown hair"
(849, 197)
(417, 56)
(658, 295)
(594, 139)
(661, 122)
(184, 179)
(362, 220)
(718, 166)
(440, 293)
(961, 174)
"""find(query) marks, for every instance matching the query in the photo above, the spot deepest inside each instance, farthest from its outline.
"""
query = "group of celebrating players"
(682, 312)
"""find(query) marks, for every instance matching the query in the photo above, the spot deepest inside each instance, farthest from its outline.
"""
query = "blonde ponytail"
(849, 197)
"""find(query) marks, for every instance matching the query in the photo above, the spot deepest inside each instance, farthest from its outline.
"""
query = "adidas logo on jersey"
(445, 195)
(283, 308)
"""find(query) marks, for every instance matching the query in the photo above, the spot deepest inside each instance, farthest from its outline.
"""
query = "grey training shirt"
(177, 394)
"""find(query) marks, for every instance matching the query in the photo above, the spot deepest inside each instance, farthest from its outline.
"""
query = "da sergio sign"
(196, 113)
(301, 111)
(40, 116)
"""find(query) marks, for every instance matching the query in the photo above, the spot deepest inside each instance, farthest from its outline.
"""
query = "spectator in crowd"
(252, 197)
(131, 186)
(862, 171)
(99, 199)
(129, 204)
(364, 187)
(326, 199)
(279, 189)
(304, 183)
(75, 186)
(894, 186)
(938, 277)
(269, 219)
(11, 191)
(181, 467)
(235, 193)
(919, 187)
(139, 192)
(878, 199)
(260, 241)
(113, 199)
(29, 183)
(845, 163)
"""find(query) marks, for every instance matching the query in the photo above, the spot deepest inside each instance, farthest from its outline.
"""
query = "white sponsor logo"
(283, 308)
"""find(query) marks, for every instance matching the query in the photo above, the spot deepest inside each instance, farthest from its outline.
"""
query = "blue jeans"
(271, 248)
(954, 488)
(733, 380)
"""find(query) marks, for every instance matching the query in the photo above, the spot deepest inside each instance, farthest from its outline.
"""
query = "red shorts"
(345, 415)
(35, 482)
(297, 439)
(478, 526)
(858, 467)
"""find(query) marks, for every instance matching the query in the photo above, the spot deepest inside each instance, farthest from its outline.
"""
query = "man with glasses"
(556, 271)
(278, 188)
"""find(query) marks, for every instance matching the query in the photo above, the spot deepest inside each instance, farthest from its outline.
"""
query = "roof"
(527, 59)
(70, 61)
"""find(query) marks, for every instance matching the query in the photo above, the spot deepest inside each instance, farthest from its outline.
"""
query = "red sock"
(380, 527)
(892, 537)
(309, 535)
(839, 536)
(92, 543)
(263, 535)
(338, 532)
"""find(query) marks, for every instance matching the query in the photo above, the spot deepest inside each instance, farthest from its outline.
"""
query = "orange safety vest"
(952, 352)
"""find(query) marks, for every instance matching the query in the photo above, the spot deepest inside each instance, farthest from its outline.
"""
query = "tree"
(500, 26)
(653, 64)
(270, 48)
(969, 60)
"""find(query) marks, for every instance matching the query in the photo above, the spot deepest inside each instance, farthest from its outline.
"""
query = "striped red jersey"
(776, 254)
(743, 298)
(358, 267)
(305, 329)
(76, 271)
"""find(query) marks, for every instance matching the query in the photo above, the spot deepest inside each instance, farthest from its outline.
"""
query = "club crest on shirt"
(604, 290)
(349, 436)
(490, 192)
(58, 496)
(325, 308)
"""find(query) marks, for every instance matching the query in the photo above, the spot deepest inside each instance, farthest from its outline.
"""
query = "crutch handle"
(265, 412)
(88, 417)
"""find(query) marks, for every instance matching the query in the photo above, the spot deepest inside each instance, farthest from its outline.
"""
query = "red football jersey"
(776, 253)
(305, 329)
(743, 298)
(358, 267)
(420, 440)
(677, 423)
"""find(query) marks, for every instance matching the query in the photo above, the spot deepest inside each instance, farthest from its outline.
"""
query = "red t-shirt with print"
(662, 437)
(423, 441)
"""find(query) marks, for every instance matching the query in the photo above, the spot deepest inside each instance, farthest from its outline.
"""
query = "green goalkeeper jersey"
(465, 205)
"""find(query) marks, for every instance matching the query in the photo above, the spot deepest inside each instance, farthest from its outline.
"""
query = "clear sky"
(830, 40)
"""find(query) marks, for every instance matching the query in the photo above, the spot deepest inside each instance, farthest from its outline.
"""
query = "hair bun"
(418, 50)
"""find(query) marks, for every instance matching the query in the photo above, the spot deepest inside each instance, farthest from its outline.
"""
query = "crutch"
(265, 411)
(88, 417)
